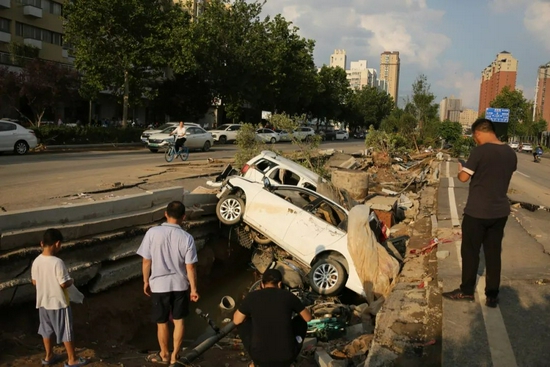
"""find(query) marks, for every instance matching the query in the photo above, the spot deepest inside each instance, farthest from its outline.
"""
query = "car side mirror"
(267, 183)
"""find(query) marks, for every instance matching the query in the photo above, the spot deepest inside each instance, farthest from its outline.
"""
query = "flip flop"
(81, 362)
(56, 358)
(155, 358)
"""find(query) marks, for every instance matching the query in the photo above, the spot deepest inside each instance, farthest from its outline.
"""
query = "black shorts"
(176, 303)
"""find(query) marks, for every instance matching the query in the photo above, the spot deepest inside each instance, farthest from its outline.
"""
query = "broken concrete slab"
(349, 164)
(116, 273)
(441, 255)
(323, 359)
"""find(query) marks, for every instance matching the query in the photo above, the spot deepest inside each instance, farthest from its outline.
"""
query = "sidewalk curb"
(528, 206)
(84, 147)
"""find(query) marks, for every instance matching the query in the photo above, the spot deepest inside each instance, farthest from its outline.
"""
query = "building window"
(53, 7)
(28, 31)
(35, 3)
(5, 25)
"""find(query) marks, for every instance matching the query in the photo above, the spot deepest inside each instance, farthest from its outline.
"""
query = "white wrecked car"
(279, 170)
(310, 227)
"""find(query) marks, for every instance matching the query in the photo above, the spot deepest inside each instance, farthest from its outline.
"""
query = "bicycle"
(171, 153)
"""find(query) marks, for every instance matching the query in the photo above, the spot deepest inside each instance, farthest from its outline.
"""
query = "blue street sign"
(497, 114)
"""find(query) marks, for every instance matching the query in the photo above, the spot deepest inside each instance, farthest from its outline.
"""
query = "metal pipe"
(192, 354)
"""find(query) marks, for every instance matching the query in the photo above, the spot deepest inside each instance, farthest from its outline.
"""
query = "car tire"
(327, 277)
(153, 150)
(21, 147)
(273, 141)
(230, 209)
(206, 146)
(222, 140)
(260, 238)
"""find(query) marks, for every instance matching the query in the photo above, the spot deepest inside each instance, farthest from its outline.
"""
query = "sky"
(450, 41)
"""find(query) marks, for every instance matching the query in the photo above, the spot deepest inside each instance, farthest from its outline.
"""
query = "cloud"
(501, 6)
(537, 19)
(366, 28)
(465, 82)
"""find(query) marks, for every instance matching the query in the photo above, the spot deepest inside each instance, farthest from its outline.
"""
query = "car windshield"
(168, 130)
(164, 126)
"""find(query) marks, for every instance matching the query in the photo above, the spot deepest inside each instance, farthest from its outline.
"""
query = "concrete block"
(111, 275)
(164, 196)
(19, 294)
(349, 164)
(441, 255)
(191, 199)
(380, 356)
(322, 358)
(83, 273)
(309, 343)
(382, 203)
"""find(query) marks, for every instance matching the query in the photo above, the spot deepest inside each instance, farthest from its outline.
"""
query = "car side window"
(296, 197)
(235, 128)
(6, 126)
(285, 177)
(330, 214)
(264, 165)
(307, 185)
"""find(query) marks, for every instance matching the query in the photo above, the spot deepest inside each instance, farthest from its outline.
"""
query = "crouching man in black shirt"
(270, 335)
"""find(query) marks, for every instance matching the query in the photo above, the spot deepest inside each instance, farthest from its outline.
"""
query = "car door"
(318, 226)
(201, 136)
(7, 135)
(191, 134)
(273, 211)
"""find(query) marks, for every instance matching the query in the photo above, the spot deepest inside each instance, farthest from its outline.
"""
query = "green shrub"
(66, 135)
(462, 147)
(248, 145)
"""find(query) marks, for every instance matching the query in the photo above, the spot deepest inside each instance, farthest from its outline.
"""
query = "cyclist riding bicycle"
(180, 136)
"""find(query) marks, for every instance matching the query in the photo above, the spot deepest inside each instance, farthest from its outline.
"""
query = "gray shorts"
(58, 322)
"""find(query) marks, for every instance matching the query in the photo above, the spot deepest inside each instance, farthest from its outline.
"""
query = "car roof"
(312, 176)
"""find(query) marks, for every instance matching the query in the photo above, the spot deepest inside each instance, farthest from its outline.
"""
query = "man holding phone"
(490, 168)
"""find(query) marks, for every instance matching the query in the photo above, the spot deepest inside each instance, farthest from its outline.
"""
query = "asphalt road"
(40, 179)
(531, 181)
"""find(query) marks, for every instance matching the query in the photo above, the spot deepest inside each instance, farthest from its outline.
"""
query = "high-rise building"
(338, 58)
(389, 72)
(500, 73)
(542, 94)
(467, 118)
(449, 109)
(34, 23)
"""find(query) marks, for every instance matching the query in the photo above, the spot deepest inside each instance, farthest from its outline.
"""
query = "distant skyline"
(450, 42)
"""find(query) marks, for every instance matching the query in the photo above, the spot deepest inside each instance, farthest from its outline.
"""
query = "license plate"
(153, 145)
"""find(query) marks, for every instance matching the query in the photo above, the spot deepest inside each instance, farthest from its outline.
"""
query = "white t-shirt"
(180, 132)
(50, 272)
(169, 248)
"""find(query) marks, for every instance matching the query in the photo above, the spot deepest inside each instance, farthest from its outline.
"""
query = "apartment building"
(389, 72)
(338, 58)
(37, 24)
(360, 75)
(542, 94)
(467, 118)
(500, 73)
(450, 108)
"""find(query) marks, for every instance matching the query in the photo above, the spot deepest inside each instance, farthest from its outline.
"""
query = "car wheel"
(21, 147)
(260, 238)
(327, 277)
(230, 209)
(153, 150)
(206, 146)
(273, 141)
(222, 140)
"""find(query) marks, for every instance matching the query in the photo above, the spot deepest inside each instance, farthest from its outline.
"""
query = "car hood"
(151, 132)
(160, 136)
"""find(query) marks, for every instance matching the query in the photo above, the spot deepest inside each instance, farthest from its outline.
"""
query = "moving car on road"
(15, 138)
(267, 136)
(308, 226)
(225, 133)
(197, 138)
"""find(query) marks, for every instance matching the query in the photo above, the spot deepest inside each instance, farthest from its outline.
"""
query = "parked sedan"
(284, 135)
(514, 145)
(197, 138)
(342, 135)
(15, 138)
(267, 136)
(307, 225)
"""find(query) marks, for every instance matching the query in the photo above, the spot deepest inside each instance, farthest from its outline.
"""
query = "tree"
(520, 109)
(370, 106)
(184, 96)
(421, 106)
(450, 131)
(10, 85)
(46, 84)
(123, 43)
(332, 93)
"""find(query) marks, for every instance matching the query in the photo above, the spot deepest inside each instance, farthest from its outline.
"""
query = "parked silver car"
(15, 138)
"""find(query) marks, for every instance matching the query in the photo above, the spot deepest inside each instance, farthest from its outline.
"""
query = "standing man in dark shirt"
(490, 167)
(270, 335)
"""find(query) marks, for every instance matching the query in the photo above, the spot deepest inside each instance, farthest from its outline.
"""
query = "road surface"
(41, 179)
